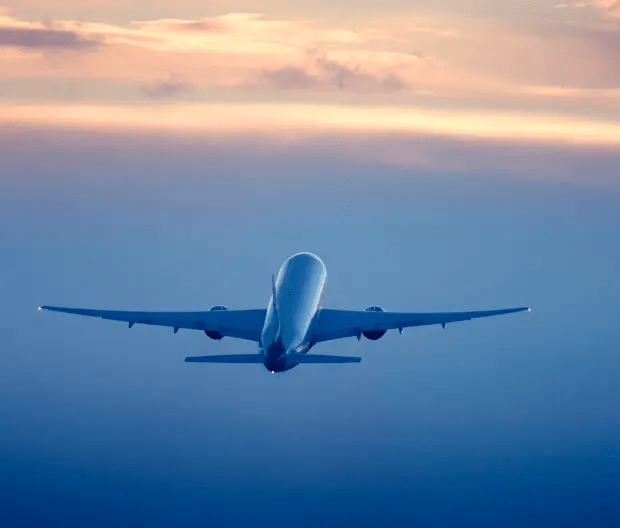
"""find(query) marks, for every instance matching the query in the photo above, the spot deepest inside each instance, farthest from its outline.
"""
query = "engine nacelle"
(375, 334)
(215, 335)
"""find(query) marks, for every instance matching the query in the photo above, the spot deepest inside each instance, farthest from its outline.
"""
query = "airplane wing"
(335, 324)
(243, 324)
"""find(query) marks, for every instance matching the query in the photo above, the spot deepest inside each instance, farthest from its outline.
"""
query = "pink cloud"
(435, 64)
(174, 85)
(43, 38)
(329, 73)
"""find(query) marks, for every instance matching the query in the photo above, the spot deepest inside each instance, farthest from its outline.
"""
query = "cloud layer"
(43, 38)
(551, 74)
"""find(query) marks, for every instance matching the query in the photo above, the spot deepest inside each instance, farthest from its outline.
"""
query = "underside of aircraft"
(292, 323)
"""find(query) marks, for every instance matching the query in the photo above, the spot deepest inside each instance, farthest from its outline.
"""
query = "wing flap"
(242, 324)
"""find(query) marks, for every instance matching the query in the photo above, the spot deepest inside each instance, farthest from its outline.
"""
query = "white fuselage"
(288, 326)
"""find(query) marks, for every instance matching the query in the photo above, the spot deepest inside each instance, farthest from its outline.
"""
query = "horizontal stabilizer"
(317, 358)
(232, 358)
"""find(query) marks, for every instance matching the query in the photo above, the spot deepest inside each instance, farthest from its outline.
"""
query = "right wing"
(335, 324)
(243, 324)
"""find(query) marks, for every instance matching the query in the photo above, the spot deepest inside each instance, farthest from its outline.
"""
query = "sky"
(436, 155)
(488, 70)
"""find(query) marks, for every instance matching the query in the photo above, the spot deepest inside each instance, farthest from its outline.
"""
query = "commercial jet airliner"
(292, 323)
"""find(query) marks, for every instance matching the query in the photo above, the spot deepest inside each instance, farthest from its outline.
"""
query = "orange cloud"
(310, 119)
(610, 8)
(424, 73)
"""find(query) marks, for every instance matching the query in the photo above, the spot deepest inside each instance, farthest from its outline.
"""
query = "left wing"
(335, 324)
(243, 324)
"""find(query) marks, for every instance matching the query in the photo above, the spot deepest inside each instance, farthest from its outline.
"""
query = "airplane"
(292, 323)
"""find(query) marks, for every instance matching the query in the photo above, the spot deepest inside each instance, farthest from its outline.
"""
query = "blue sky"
(510, 421)
(436, 155)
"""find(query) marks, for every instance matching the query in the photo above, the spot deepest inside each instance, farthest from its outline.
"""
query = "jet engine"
(375, 334)
(215, 335)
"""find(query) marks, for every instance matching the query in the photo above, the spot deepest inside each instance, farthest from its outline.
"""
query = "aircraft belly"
(299, 287)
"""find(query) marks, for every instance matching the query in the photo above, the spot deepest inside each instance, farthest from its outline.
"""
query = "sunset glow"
(544, 73)
(302, 120)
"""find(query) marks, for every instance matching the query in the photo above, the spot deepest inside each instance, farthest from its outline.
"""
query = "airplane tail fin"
(232, 358)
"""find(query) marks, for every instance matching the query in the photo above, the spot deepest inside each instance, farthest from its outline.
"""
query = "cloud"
(164, 89)
(43, 38)
(200, 25)
(609, 7)
(608, 12)
(574, 5)
(330, 73)
(478, 64)
(290, 78)
(249, 33)
(288, 120)
(354, 79)
(438, 32)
